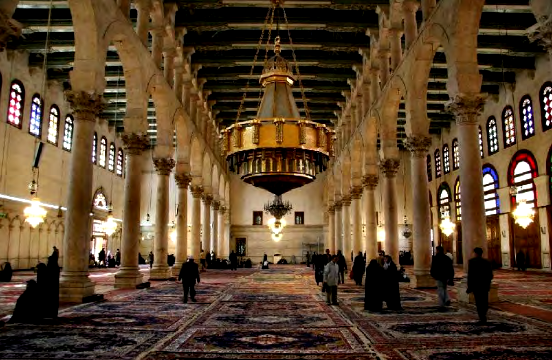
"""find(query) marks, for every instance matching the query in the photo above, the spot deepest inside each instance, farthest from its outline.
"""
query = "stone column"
(75, 284)
(157, 45)
(409, 8)
(160, 269)
(389, 168)
(419, 146)
(197, 191)
(182, 181)
(356, 196)
(129, 274)
(330, 243)
(371, 241)
(396, 50)
(223, 254)
(207, 200)
(338, 227)
(214, 243)
(384, 65)
(143, 8)
(346, 244)
(427, 8)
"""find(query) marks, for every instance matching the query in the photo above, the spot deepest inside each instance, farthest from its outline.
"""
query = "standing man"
(342, 267)
(233, 261)
(189, 273)
(118, 258)
(331, 275)
(150, 258)
(443, 273)
(480, 274)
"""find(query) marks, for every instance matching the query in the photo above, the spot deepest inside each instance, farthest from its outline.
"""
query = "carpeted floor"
(280, 313)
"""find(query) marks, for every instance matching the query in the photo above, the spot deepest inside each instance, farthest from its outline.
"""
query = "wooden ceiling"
(327, 35)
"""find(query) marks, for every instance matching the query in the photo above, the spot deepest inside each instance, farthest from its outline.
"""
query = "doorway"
(493, 241)
(526, 240)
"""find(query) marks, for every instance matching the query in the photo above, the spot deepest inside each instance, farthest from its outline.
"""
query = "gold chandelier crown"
(277, 68)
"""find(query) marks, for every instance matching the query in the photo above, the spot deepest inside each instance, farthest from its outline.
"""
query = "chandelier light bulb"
(110, 226)
(523, 214)
(381, 234)
(34, 214)
(447, 226)
(277, 237)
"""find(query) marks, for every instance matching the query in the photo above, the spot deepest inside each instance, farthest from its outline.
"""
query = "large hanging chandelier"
(523, 214)
(447, 226)
(278, 150)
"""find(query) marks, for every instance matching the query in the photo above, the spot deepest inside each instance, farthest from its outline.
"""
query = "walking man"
(480, 274)
(331, 276)
(443, 273)
(189, 273)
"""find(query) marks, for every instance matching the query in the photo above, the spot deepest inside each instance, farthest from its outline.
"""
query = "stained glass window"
(444, 201)
(549, 165)
(527, 118)
(119, 171)
(53, 125)
(490, 186)
(481, 142)
(103, 152)
(492, 135)
(111, 160)
(455, 155)
(15, 107)
(457, 200)
(68, 133)
(446, 159)
(94, 148)
(523, 168)
(509, 125)
(428, 161)
(35, 123)
(437, 163)
(546, 106)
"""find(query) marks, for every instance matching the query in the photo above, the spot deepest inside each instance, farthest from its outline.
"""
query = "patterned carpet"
(280, 313)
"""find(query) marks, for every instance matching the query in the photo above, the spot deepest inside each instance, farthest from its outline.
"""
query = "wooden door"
(527, 240)
(493, 241)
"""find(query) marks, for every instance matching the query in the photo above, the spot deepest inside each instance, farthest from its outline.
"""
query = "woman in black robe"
(358, 268)
(392, 294)
(373, 295)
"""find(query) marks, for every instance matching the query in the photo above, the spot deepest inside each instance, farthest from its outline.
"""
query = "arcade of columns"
(389, 74)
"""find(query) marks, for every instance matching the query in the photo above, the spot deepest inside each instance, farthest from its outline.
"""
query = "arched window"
(15, 106)
(428, 164)
(549, 166)
(457, 199)
(490, 186)
(111, 160)
(527, 118)
(68, 134)
(437, 163)
(481, 142)
(455, 155)
(35, 121)
(509, 126)
(522, 170)
(53, 125)
(103, 151)
(120, 157)
(446, 158)
(94, 148)
(546, 106)
(444, 201)
(492, 136)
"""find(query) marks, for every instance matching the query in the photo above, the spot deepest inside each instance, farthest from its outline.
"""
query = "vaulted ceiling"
(327, 36)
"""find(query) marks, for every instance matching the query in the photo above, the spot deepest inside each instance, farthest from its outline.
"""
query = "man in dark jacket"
(358, 268)
(443, 272)
(189, 273)
(480, 274)
(233, 261)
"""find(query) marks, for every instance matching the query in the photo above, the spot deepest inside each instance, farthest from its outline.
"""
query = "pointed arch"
(521, 172)
(545, 97)
(508, 126)
(457, 199)
(492, 135)
(16, 104)
(527, 117)
(490, 187)
(53, 125)
(35, 120)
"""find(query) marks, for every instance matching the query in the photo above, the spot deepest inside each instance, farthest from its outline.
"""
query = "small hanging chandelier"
(381, 233)
(523, 214)
(276, 226)
(34, 214)
(278, 208)
(109, 226)
(173, 234)
(407, 232)
(447, 226)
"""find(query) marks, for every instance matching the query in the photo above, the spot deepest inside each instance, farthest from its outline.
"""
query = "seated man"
(6, 272)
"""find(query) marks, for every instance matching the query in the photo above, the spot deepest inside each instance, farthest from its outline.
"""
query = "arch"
(443, 200)
(196, 157)
(207, 168)
(446, 158)
(95, 148)
(35, 120)
(545, 99)
(527, 117)
(549, 170)
(458, 199)
(53, 125)
(68, 133)
(102, 161)
(111, 158)
(437, 157)
(99, 200)
(508, 126)
(16, 104)
(215, 181)
(387, 126)
(183, 138)
(356, 160)
(492, 135)
(480, 141)
(346, 172)
(521, 172)
(490, 187)
(428, 166)
(338, 181)
(222, 186)
(455, 154)
(120, 162)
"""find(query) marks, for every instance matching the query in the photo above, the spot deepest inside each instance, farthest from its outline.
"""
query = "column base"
(176, 269)
(128, 278)
(463, 297)
(75, 287)
(160, 273)
(422, 281)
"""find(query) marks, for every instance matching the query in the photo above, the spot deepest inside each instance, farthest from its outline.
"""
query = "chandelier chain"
(307, 111)
(259, 44)
(273, 9)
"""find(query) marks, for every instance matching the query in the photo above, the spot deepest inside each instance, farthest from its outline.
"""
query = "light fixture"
(523, 214)
(277, 237)
(172, 235)
(381, 233)
(447, 226)
(276, 226)
(278, 208)
(407, 232)
(34, 214)
(109, 226)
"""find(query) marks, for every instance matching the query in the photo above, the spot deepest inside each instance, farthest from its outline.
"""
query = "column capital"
(331, 209)
(542, 32)
(346, 201)
(134, 143)
(337, 205)
(356, 192)
(390, 167)
(182, 180)
(418, 145)
(466, 108)
(9, 29)
(207, 198)
(85, 106)
(370, 181)
(395, 32)
(163, 166)
(216, 205)
(222, 210)
(197, 191)
(410, 6)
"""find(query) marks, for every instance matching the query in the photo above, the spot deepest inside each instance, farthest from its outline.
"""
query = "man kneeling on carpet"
(189, 273)
(331, 278)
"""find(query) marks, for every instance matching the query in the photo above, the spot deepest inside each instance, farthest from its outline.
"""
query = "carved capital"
(216, 205)
(331, 210)
(370, 181)
(390, 167)
(207, 198)
(134, 144)
(356, 192)
(418, 145)
(466, 109)
(337, 205)
(542, 32)
(9, 30)
(164, 166)
(222, 210)
(85, 106)
(346, 201)
(197, 191)
(182, 180)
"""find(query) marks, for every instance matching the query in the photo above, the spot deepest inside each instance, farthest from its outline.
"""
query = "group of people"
(104, 260)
